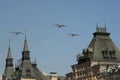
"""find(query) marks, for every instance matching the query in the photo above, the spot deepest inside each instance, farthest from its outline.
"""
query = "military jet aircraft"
(73, 34)
(17, 33)
(59, 25)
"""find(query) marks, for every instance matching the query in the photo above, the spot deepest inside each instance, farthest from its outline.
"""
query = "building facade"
(98, 60)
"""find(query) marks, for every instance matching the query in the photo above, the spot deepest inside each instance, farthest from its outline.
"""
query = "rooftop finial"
(97, 27)
(105, 27)
(25, 43)
(9, 42)
(25, 34)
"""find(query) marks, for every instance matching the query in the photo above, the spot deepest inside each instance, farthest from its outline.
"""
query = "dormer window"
(105, 54)
(112, 54)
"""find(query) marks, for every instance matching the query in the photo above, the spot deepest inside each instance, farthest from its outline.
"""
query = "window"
(105, 54)
(112, 54)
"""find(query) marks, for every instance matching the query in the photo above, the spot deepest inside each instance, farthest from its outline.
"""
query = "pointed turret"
(9, 59)
(9, 70)
(26, 69)
(25, 52)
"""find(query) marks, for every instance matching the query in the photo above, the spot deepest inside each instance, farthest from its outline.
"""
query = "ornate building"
(98, 61)
(24, 70)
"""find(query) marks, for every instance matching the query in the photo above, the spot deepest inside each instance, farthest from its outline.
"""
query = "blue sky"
(53, 49)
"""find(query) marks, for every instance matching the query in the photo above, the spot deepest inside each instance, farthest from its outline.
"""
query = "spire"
(9, 70)
(9, 59)
(25, 53)
(25, 44)
(9, 55)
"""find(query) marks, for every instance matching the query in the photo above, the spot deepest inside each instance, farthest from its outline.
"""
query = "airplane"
(59, 25)
(16, 33)
(73, 34)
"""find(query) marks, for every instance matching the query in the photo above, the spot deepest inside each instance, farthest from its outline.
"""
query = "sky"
(52, 48)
